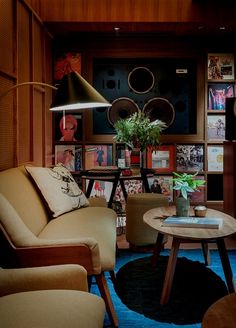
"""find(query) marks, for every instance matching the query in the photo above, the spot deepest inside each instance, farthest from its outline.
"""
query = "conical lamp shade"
(75, 92)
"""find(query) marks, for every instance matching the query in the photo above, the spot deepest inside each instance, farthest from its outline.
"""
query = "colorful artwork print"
(162, 184)
(216, 127)
(161, 159)
(220, 66)
(67, 63)
(132, 187)
(98, 155)
(217, 94)
(215, 156)
(189, 158)
(68, 127)
(101, 189)
(70, 156)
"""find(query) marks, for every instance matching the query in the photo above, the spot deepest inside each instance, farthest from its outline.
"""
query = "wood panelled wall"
(25, 120)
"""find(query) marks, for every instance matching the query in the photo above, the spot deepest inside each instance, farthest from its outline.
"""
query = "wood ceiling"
(161, 17)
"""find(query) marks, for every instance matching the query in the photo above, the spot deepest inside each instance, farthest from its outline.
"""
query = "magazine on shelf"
(192, 222)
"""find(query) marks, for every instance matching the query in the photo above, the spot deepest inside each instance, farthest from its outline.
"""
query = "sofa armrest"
(55, 254)
(69, 276)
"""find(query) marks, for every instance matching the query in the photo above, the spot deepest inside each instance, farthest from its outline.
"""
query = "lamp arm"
(26, 83)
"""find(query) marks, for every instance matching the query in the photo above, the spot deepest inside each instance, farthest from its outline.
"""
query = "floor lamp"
(73, 93)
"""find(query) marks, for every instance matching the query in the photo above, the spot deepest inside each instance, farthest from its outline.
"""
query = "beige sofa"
(31, 237)
(54, 296)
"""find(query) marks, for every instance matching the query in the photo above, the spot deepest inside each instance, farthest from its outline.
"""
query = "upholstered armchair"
(53, 296)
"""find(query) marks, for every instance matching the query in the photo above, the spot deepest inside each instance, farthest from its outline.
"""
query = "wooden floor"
(123, 244)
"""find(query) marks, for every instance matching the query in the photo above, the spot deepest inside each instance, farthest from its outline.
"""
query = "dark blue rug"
(143, 313)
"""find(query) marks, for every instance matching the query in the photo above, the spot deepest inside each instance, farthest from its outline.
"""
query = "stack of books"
(192, 222)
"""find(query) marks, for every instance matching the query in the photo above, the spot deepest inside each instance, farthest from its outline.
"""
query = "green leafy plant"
(137, 131)
(185, 183)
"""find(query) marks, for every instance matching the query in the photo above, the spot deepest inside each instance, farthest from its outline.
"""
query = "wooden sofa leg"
(105, 293)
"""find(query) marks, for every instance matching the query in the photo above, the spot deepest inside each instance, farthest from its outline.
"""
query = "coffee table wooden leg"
(157, 248)
(206, 253)
(226, 265)
(170, 270)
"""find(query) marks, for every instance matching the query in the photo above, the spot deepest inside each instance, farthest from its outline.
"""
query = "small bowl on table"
(200, 211)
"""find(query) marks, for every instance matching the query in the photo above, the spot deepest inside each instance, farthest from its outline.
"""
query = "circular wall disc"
(160, 109)
(121, 108)
(141, 80)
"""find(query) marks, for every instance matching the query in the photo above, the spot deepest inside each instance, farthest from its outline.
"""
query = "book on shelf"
(192, 222)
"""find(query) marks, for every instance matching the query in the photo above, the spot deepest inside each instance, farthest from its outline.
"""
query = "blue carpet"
(128, 318)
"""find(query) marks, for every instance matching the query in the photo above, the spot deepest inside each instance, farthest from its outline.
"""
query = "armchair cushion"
(67, 276)
(50, 296)
(59, 189)
(52, 308)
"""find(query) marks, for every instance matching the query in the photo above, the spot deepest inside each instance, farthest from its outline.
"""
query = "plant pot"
(182, 206)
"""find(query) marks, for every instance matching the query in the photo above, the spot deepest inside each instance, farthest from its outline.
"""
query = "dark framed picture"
(70, 156)
(162, 159)
(217, 94)
(220, 66)
(189, 158)
(68, 127)
(162, 184)
(215, 158)
(98, 155)
(215, 127)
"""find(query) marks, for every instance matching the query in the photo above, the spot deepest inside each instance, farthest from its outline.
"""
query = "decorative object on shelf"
(185, 183)
(138, 132)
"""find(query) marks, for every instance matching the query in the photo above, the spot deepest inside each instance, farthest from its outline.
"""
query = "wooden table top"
(221, 314)
(155, 216)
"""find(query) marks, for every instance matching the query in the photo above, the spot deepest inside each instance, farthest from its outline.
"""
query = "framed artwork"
(101, 189)
(66, 63)
(162, 159)
(132, 187)
(162, 184)
(215, 156)
(217, 94)
(98, 155)
(189, 158)
(68, 127)
(216, 127)
(220, 66)
(70, 156)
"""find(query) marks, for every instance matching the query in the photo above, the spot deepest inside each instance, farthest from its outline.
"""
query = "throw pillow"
(58, 188)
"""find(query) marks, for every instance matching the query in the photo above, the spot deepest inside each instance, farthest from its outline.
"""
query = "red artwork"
(67, 63)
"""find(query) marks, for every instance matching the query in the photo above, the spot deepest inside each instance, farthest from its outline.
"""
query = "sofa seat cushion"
(58, 188)
(52, 308)
(95, 222)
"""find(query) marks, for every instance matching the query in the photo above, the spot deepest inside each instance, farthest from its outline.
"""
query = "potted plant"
(185, 183)
(137, 131)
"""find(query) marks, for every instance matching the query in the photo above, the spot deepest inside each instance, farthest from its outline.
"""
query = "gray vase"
(182, 206)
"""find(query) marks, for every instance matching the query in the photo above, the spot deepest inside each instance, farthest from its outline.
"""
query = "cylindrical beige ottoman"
(138, 233)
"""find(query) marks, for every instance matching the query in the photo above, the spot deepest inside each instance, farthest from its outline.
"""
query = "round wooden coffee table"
(221, 314)
(154, 219)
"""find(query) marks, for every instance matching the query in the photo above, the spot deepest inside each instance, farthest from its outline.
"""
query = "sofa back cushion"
(18, 189)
